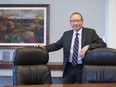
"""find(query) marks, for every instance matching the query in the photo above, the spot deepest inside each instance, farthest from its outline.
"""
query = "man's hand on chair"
(40, 45)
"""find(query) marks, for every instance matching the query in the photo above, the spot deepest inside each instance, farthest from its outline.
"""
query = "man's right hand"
(40, 45)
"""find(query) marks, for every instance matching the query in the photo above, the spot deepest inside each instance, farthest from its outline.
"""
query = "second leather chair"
(100, 66)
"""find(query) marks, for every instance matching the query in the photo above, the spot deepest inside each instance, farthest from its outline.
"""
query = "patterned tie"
(75, 51)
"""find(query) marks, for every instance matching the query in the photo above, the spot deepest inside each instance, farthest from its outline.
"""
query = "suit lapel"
(83, 37)
(69, 39)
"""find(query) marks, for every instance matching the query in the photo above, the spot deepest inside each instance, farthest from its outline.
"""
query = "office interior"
(97, 14)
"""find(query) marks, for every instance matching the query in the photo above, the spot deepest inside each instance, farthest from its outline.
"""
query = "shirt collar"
(79, 32)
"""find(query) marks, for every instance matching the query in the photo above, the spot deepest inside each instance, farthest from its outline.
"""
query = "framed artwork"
(24, 24)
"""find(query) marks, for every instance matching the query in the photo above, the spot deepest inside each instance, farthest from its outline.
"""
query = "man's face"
(76, 22)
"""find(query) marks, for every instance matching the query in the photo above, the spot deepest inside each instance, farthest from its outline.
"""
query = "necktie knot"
(77, 34)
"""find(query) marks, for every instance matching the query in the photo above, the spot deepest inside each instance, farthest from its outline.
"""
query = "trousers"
(72, 74)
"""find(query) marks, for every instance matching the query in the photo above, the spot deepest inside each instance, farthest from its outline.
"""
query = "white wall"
(111, 23)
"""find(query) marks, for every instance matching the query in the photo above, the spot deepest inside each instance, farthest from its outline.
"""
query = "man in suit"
(87, 40)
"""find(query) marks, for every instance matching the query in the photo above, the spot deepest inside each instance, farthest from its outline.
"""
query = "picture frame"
(24, 24)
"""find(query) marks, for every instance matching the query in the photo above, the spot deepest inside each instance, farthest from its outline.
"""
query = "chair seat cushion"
(99, 74)
(34, 74)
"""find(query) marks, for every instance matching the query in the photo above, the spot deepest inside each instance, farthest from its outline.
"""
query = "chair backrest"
(30, 66)
(100, 66)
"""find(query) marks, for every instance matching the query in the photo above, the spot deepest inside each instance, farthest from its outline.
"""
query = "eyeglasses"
(75, 21)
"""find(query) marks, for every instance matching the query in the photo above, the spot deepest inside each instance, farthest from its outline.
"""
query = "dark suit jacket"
(89, 36)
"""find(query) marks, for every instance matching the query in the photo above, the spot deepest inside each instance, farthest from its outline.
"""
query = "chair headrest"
(30, 56)
(101, 56)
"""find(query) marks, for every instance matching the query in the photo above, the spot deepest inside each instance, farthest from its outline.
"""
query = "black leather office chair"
(30, 67)
(100, 66)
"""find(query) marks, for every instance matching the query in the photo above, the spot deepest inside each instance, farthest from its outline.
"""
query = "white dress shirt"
(72, 45)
